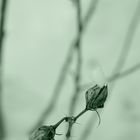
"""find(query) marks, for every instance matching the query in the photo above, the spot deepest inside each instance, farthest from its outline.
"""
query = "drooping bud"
(43, 133)
(96, 97)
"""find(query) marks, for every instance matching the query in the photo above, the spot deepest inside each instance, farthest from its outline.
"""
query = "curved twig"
(121, 61)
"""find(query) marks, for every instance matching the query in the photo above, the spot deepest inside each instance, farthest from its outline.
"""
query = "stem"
(120, 63)
(58, 123)
(59, 85)
(57, 90)
(79, 64)
(81, 113)
(79, 58)
(70, 118)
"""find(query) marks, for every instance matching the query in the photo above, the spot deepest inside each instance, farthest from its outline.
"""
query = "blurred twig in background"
(119, 65)
(116, 76)
(2, 24)
(77, 76)
(124, 73)
(79, 62)
(59, 85)
(81, 27)
(112, 78)
(76, 47)
(84, 23)
(90, 12)
(128, 41)
(2, 32)
(57, 90)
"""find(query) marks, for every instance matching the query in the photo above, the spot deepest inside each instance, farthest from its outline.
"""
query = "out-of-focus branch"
(124, 73)
(128, 41)
(112, 78)
(57, 90)
(90, 12)
(2, 26)
(116, 76)
(81, 26)
(79, 63)
(79, 57)
(119, 65)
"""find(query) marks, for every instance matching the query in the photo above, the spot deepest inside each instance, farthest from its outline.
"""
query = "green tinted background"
(38, 36)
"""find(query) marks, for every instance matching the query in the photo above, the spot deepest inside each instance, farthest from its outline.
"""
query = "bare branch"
(116, 76)
(90, 12)
(57, 90)
(81, 26)
(124, 73)
(112, 78)
(2, 26)
(128, 41)
(79, 63)
(121, 61)
(79, 57)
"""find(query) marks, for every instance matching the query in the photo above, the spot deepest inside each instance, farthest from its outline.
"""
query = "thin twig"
(116, 76)
(79, 63)
(2, 24)
(121, 61)
(81, 26)
(2, 32)
(81, 113)
(58, 123)
(124, 73)
(72, 120)
(60, 81)
(128, 41)
(79, 57)
(90, 12)
(57, 90)
(92, 120)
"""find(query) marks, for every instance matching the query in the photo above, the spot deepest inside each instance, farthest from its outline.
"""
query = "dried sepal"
(96, 97)
(43, 133)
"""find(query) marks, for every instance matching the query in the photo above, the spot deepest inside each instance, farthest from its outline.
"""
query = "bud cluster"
(95, 98)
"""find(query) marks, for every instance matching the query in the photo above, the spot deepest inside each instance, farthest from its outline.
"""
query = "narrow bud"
(96, 97)
(43, 133)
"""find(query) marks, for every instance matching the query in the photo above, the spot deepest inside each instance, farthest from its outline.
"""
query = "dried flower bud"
(95, 97)
(43, 133)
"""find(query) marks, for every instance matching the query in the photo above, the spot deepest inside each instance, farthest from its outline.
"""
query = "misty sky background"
(38, 36)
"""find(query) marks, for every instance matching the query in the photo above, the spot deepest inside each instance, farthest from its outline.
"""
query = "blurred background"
(39, 64)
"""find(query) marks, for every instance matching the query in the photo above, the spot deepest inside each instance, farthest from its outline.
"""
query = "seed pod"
(96, 97)
(43, 133)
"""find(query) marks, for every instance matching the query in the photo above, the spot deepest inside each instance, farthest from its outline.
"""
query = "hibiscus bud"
(43, 133)
(96, 97)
